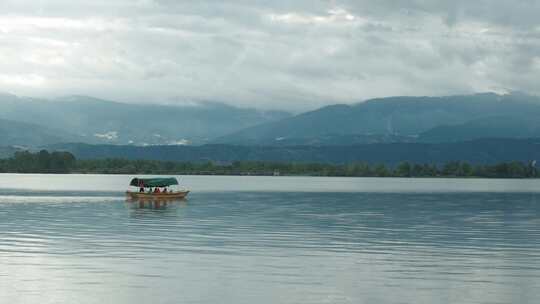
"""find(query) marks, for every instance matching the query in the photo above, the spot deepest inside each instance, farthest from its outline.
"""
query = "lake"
(75, 239)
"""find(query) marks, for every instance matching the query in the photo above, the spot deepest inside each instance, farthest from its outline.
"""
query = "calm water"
(75, 239)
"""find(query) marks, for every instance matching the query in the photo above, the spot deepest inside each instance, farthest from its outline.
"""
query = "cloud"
(267, 54)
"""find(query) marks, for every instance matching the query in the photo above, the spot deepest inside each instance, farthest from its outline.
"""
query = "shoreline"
(65, 162)
(268, 175)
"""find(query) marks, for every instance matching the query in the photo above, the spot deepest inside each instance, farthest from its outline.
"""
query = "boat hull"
(157, 196)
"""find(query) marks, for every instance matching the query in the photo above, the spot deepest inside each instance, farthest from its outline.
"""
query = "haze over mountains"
(402, 123)
(91, 120)
(16, 133)
(403, 119)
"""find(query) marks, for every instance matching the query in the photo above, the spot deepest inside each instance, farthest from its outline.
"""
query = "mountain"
(334, 140)
(485, 151)
(31, 135)
(6, 152)
(525, 126)
(101, 121)
(383, 120)
(402, 118)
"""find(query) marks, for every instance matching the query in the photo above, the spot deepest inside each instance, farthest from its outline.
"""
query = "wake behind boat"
(155, 188)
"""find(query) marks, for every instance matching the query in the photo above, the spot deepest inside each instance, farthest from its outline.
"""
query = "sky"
(271, 54)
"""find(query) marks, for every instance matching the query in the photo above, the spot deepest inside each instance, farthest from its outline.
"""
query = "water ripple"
(271, 248)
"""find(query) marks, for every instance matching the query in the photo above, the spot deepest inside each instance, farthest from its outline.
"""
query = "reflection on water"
(158, 204)
(270, 247)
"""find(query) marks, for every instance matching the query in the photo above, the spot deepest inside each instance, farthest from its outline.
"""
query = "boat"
(148, 183)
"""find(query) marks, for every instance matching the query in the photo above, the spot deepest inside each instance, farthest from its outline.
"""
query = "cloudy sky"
(270, 54)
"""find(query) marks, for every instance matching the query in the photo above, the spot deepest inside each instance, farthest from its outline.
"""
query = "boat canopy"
(153, 182)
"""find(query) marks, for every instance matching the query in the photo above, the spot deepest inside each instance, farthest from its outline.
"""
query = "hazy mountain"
(101, 121)
(383, 120)
(6, 152)
(402, 118)
(479, 151)
(331, 139)
(525, 126)
(15, 133)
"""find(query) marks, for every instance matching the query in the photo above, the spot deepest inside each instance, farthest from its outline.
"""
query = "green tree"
(403, 169)
(381, 170)
(451, 169)
(465, 169)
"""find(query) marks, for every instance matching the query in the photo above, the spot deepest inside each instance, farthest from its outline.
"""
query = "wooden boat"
(160, 196)
(149, 183)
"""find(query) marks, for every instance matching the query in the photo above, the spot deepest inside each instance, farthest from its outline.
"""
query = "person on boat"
(149, 190)
(156, 190)
(141, 186)
(165, 190)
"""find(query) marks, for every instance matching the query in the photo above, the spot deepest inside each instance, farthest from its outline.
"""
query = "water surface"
(75, 239)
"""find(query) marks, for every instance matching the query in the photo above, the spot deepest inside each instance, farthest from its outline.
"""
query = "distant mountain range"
(422, 126)
(16, 133)
(402, 119)
(91, 120)
(485, 151)
(523, 126)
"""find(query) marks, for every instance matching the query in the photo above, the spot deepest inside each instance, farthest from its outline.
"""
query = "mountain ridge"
(391, 116)
(400, 119)
(15, 133)
(102, 121)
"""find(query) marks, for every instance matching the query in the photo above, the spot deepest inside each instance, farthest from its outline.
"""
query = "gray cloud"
(270, 54)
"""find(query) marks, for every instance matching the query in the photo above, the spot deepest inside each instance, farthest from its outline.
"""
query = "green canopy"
(153, 182)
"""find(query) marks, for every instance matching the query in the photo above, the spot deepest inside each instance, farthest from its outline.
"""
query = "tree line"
(40, 162)
(65, 162)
